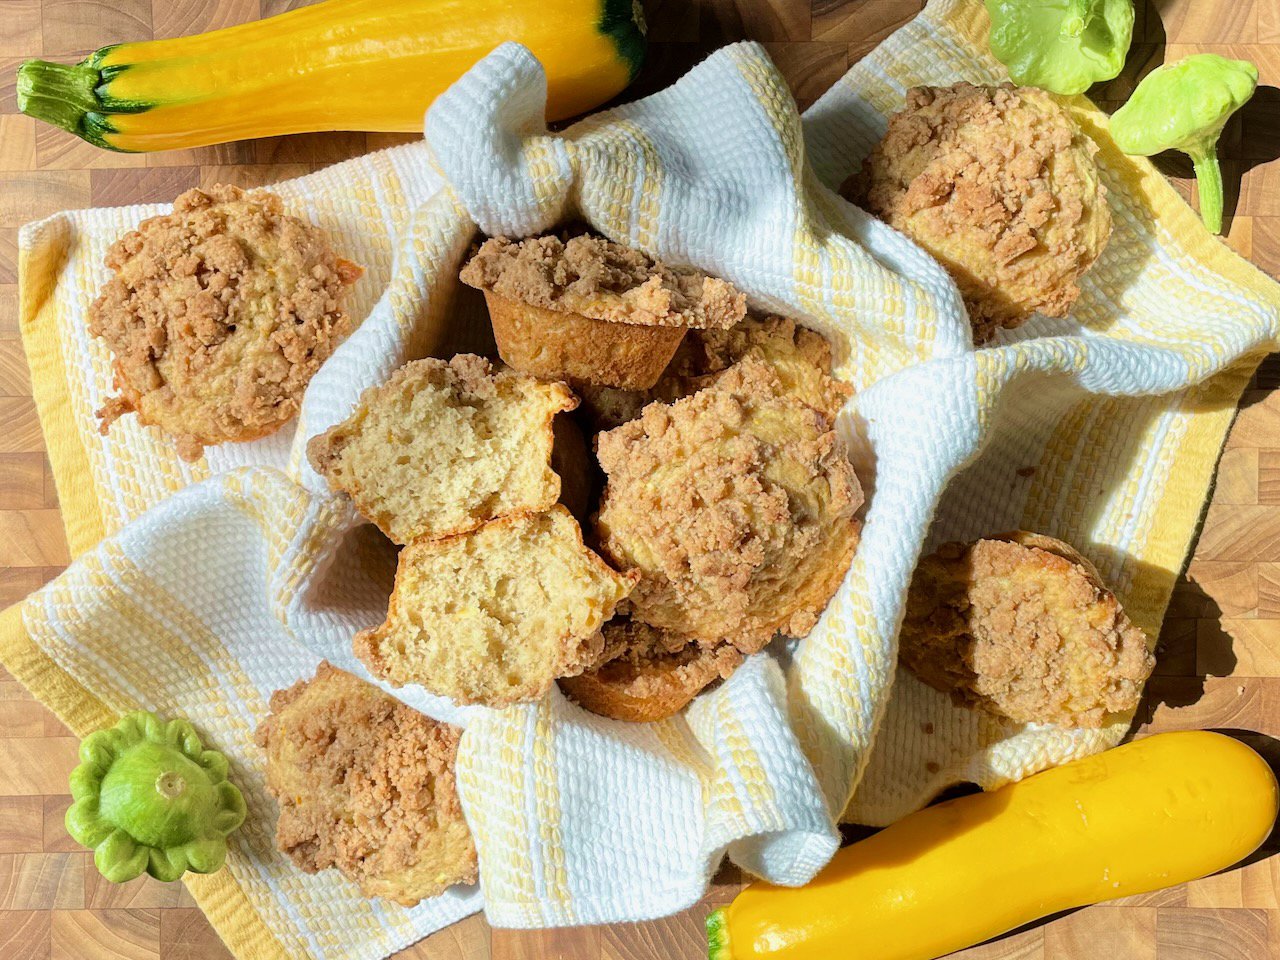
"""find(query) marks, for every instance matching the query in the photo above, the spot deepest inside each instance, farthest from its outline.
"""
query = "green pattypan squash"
(1184, 106)
(149, 797)
(1063, 46)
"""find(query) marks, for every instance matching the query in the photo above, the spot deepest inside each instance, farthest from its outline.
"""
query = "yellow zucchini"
(336, 65)
(1151, 814)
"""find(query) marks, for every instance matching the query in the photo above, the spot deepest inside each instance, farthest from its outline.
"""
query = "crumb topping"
(598, 278)
(736, 504)
(366, 785)
(800, 357)
(1001, 186)
(1025, 631)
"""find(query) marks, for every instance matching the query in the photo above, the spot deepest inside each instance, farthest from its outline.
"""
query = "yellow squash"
(336, 65)
(1154, 813)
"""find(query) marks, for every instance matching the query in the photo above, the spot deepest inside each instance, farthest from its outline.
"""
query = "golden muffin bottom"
(648, 674)
(591, 310)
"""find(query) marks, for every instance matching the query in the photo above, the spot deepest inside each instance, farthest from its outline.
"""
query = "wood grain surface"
(1219, 663)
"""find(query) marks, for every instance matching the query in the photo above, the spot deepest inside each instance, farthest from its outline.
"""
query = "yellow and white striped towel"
(198, 589)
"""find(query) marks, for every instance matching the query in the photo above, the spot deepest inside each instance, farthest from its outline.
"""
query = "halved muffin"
(366, 784)
(494, 616)
(442, 448)
(593, 310)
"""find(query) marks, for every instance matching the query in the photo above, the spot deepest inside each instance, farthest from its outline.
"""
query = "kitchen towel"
(197, 589)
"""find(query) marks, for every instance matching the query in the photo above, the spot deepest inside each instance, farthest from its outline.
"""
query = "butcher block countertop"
(1219, 660)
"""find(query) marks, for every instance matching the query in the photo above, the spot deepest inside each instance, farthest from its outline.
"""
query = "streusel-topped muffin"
(366, 784)
(592, 310)
(218, 316)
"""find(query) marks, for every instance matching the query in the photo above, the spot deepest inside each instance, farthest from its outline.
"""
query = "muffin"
(736, 505)
(366, 785)
(1023, 627)
(648, 673)
(494, 616)
(1000, 185)
(218, 316)
(441, 448)
(588, 309)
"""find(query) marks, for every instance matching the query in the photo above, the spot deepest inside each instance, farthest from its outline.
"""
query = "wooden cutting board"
(1220, 658)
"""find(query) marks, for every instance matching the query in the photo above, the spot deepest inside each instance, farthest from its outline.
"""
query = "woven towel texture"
(200, 588)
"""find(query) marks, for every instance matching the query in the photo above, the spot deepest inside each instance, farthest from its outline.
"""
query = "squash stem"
(718, 936)
(170, 785)
(623, 22)
(64, 95)
(1209, 182)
